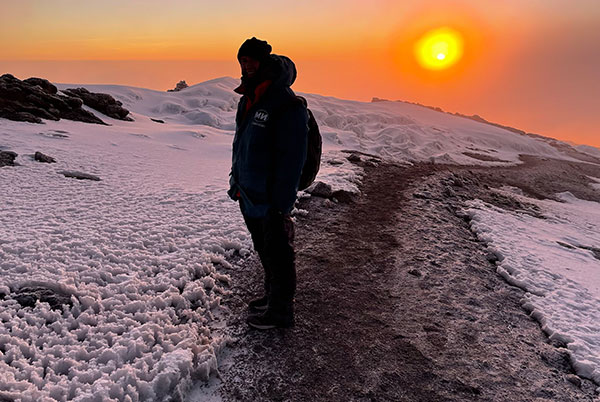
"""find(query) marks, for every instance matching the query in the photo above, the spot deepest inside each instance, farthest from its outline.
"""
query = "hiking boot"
(270, 320)
(259, 305)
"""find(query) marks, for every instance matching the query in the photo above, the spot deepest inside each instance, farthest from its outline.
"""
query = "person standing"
(269, 151)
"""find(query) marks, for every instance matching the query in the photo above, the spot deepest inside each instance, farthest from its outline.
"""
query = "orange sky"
(530, 64)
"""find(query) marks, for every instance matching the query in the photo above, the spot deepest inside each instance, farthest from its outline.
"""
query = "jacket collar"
(253, 97)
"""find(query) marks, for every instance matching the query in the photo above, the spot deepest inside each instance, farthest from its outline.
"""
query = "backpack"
(313, 151)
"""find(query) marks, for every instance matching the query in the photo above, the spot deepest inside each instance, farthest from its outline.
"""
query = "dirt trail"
(398, 301)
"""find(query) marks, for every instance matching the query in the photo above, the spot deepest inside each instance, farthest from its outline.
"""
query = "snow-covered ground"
(139, 252)
(556, 259)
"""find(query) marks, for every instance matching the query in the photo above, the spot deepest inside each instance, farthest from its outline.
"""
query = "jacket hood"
(283, 70)
(280, 71)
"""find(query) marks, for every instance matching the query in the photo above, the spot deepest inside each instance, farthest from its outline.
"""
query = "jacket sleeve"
(291, 136)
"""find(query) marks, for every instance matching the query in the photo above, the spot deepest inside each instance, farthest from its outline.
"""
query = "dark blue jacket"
(269, 147)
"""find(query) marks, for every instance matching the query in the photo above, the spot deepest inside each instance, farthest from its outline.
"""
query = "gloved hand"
(234, 193)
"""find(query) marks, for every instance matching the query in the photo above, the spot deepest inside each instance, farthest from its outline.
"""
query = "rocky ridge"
(34, 99)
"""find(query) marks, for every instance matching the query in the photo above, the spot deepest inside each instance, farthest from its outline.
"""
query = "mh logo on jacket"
(260, 117)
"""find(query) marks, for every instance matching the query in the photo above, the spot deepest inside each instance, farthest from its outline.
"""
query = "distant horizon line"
(231, 59)
(38, 60)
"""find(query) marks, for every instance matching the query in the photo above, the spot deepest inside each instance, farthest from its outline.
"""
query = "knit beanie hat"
(255, 48)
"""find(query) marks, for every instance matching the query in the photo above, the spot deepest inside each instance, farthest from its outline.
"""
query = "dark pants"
(273, 238)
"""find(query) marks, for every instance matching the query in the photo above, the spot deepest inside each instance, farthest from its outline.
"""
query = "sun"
(439, 49)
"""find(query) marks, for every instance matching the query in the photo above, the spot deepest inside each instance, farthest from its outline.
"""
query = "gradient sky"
(531, 64)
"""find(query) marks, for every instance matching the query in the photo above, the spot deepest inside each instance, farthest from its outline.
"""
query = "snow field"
(137, 254)
(557, 261)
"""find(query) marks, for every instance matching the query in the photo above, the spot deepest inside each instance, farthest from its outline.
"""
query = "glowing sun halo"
(439, 49)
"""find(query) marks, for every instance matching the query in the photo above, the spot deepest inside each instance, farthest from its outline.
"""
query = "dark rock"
(415, 272)
(457, 182)
(46, 86)
(320, 189)
(595, 251)
(22, 116)
(104, 103)
(492, 257)
(573, 379)
(343, 196)
(448, 192)
(28, 296)
(180, 85)
(354, 158)
(371, 156)
(7, 158)
(157, 120)
(40, 157)
(79, 175)
(35, 99)
(425, 195)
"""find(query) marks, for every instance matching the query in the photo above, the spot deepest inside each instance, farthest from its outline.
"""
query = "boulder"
(33, 99)
(40, 157)
(320, 189)
(104, 103)
(7, 158)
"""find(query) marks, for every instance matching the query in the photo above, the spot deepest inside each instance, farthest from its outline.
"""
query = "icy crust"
(557, 261)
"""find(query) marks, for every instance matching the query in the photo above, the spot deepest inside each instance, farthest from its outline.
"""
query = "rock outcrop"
(35, 99)
(180, 85)
(104, 103)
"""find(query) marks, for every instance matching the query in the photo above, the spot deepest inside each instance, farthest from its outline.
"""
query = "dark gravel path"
(398, 301)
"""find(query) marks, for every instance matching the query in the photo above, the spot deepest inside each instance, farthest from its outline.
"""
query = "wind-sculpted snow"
(406, 132)
(395, 130)
(136, 252)
(557, 261)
